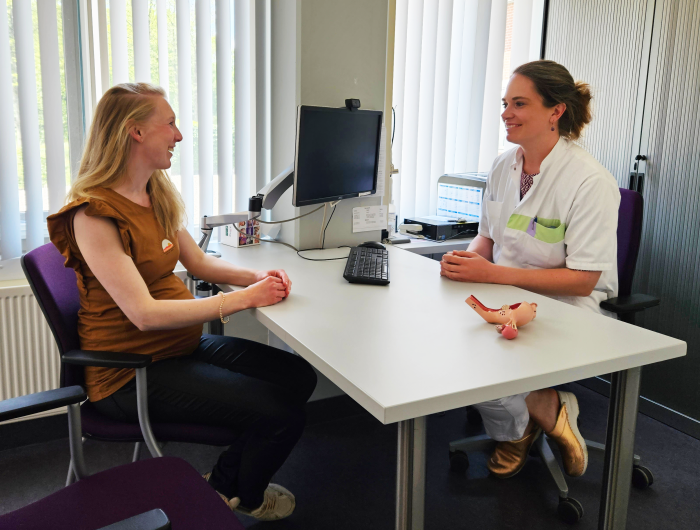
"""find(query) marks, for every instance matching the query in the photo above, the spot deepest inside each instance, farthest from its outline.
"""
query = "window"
(86, 46)
(187, 48)
(34, 167)
(452, 60)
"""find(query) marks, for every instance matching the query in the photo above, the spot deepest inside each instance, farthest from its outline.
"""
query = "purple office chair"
(150, 494)
(55, 289)
(626, 305)
(629, 235)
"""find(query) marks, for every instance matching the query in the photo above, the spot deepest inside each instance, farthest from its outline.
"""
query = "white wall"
(321, 53)
(285, 18)
(343, 55)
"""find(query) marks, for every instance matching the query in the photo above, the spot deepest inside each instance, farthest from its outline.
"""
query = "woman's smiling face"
(524, 114)
(160, 134)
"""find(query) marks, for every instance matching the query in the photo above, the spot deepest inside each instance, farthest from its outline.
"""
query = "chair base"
(569, 509)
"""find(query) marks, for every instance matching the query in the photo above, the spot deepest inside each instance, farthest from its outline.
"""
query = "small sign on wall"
(367, 218)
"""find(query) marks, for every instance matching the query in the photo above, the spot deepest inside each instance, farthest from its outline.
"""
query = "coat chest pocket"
(538, 243)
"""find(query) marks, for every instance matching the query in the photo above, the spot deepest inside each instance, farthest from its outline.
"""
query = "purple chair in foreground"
(152, 494)
(55, 289)
(625, 306)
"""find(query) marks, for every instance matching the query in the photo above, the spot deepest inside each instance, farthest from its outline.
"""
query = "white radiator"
(29, 360)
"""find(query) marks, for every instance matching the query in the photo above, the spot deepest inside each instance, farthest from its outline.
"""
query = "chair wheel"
(642, 477)
(569, 510)
(459, 462)
(473, 417)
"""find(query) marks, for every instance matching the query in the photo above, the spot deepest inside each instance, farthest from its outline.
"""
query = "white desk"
(447, 356)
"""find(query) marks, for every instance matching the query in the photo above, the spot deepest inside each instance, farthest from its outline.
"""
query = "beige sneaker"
(278, 504)
(232, 503)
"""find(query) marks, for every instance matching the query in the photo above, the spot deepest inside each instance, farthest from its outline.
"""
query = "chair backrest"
(55, 288)
(629, 233)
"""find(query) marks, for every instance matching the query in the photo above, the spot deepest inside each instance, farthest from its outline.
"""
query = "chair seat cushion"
(168, 483)
(98, 426)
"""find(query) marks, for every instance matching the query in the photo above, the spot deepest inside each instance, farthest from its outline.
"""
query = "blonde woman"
(123, 233)
(549, 225)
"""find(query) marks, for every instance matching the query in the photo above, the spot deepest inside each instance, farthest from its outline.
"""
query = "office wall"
(611, 45)
(599, 58)
(322, 52)
(342, 55)
(669, 261)
(285, 94)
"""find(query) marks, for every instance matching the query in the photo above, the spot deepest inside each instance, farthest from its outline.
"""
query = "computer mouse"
(372, 244)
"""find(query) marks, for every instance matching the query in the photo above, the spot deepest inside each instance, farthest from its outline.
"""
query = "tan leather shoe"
(508, 458)
(572, 446)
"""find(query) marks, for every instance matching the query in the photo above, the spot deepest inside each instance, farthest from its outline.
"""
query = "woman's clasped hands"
(269, 288)
(465, 266)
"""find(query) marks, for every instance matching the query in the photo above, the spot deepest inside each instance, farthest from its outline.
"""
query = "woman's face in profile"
(160, 134)
(524, 115)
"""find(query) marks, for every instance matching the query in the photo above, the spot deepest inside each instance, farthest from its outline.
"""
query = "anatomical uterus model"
(508, 318)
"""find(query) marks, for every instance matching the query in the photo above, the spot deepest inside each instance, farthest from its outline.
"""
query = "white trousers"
(505, 419)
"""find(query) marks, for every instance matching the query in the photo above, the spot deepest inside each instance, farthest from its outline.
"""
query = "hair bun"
(584, 92)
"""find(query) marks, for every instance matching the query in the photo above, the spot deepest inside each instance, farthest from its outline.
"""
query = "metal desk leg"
(619, 456)
(410, 474)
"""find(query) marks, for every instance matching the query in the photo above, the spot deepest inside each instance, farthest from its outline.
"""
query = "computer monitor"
(337, 154)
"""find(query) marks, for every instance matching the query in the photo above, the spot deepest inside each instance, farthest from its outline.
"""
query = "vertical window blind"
(33, 164)
(452, 61)
(185, 46)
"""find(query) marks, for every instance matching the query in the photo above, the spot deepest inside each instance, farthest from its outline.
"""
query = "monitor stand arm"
(266, 198)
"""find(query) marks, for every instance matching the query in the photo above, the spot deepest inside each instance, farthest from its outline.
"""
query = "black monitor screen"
(337, 154)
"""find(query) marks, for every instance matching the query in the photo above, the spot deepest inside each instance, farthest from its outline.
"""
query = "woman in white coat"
(549, 225)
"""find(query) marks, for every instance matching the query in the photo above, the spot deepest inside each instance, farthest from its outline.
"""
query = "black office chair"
(626, 305)
(146, 495)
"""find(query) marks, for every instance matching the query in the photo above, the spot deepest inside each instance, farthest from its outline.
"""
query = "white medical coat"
(567, 219)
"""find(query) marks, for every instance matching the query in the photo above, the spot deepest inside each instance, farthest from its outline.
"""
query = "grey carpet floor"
(343, 475)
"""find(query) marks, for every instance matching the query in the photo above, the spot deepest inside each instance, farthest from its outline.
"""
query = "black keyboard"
(367, 265)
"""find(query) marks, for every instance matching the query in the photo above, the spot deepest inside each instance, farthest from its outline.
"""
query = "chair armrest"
(106, 359)
(153, 520)
(629, 304)
(40, 402)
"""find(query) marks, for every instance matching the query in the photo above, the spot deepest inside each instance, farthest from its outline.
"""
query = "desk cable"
(292, 219)
(259, 239)
(324, 225)
(322, 259)
(323, 241)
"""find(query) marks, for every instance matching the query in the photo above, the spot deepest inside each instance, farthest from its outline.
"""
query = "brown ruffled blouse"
(102, 325)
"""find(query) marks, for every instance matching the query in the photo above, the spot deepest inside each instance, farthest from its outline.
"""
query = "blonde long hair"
(108, 148)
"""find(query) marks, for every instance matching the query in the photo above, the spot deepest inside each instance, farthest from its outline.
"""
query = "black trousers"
(258, 391)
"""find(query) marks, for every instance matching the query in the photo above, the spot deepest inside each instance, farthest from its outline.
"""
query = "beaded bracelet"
(221, 308)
